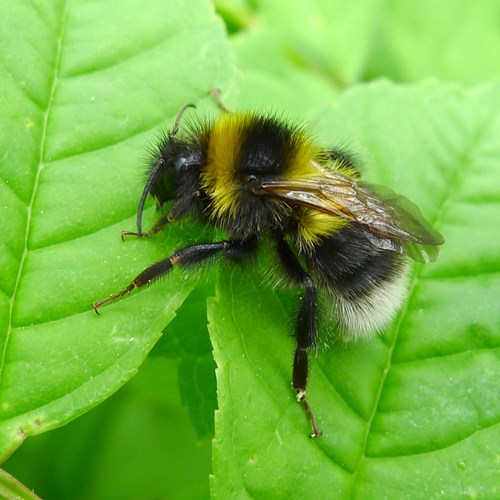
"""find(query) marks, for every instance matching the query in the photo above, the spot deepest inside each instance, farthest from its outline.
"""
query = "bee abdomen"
(359, 316)
(365, 285)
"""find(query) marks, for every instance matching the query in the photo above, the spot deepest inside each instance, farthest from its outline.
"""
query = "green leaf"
(454, 40)
(310, 34)
(186, 339)
(274, 82)
(139, 443)
(84, 88)
(415, 412)
(11, 488)
(237, 14)
(343, 41)
(323, 40)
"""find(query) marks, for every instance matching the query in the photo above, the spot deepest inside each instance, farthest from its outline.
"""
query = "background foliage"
(85, 87)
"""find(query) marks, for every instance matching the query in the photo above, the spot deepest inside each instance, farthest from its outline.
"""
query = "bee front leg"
(305, 329)
(157, 226)
(175, 213)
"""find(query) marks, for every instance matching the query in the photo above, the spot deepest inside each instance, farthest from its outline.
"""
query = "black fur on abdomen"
(366, 284)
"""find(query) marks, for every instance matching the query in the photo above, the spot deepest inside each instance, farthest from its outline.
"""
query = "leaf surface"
(451, 40)
(415, 412)
(83, 91)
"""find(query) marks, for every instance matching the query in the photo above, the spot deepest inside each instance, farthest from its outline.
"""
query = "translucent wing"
(392, 221)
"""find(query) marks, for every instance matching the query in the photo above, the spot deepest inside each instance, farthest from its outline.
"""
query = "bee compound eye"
(179, 163)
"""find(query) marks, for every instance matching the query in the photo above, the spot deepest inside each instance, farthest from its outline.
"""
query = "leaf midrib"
(43, 143)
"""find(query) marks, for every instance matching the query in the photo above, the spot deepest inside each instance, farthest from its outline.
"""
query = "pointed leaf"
(415, 412)
(85, 86)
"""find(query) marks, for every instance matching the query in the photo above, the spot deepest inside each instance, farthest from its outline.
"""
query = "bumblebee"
(258, 177)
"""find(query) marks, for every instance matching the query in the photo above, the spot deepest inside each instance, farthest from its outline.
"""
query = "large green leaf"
(139, 443)
(413, 413)
(186, 339)
(337, 49)
(454, 40)
(344, 41)
(274, 82)
(11, 488)
(84, 87)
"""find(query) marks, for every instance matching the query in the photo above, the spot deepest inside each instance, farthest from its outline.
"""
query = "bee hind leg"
(305, 329)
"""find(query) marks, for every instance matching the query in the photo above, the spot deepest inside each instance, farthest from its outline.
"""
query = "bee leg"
(157, 226)
(184, 257)
(305, 329)
(218, 99)
(175, 213)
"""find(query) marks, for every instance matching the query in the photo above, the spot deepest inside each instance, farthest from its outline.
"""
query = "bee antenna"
(178, 118)
(152, 178)
(157, 169)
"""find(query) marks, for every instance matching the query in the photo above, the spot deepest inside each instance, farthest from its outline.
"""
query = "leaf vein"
(43, 142)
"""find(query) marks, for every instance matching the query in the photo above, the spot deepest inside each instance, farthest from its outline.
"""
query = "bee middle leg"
(185, 257)
(305, 329)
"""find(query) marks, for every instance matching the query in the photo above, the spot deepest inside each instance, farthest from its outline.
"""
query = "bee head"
(173, 160)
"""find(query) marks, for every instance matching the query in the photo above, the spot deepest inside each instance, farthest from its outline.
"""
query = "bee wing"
(392, 221)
